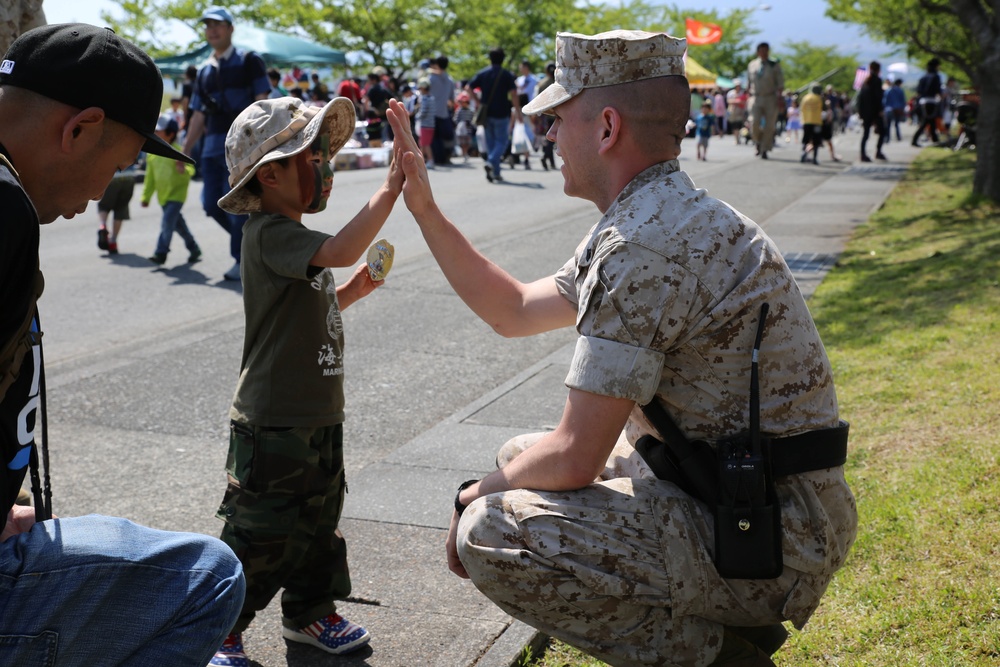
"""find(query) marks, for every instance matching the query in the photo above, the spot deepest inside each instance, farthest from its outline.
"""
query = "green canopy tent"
(277, 49)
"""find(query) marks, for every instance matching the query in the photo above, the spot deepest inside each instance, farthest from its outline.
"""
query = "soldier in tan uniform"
(574, 534)
(765, 82)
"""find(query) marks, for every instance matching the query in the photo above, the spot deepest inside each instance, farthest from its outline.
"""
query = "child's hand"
(358, 286)
(394, 179)
(180, 166)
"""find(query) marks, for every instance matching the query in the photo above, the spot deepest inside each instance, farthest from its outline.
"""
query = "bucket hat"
(274, 129)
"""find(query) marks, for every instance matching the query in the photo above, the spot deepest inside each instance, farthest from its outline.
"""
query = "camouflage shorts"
(622, 568)
(282, 507)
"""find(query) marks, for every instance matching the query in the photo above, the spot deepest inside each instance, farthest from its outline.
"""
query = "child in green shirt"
(169, 179)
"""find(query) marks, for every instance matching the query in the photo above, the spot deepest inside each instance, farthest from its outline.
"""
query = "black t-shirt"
(499, 105)
(929, 85)
(19, 233)
(378, 99)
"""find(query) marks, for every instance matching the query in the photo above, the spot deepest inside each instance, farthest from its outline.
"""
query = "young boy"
(704, 127)
(170, 183)
(465, 128)
(812, 123)
(285, 466)
(114, 203)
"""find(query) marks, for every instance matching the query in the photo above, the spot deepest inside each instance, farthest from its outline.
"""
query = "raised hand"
(416, 186)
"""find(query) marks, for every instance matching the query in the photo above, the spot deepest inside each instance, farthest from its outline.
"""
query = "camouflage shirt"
(668, 288)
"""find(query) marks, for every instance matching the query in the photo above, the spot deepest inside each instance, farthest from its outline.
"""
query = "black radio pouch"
(747, 514)
(737, 483)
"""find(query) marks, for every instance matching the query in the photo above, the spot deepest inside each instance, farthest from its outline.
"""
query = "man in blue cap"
(228, 83)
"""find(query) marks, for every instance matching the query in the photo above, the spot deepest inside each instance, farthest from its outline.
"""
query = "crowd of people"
(481, 117)
(765, 111)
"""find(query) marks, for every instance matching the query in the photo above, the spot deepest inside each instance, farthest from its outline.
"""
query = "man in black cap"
(66, 127)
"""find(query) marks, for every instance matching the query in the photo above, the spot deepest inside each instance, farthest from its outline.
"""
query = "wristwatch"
(459, 507)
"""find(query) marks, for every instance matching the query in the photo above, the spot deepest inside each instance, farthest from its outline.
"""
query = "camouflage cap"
(273, 129)
(607, 59)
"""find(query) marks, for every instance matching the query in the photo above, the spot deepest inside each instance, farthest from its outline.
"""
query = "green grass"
(911, 320)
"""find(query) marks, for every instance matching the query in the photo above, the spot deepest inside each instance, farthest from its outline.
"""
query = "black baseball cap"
(85, 66)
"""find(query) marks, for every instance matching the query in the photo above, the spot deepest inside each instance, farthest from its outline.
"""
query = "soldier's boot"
(738, 652)
(768, 638)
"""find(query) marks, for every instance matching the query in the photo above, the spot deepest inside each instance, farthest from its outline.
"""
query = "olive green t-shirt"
(292, 373)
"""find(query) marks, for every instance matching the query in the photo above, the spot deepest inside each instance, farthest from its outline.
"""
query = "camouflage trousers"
(282, 507)
(622, 569)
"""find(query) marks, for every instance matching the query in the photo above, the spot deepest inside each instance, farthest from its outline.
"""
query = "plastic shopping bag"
(481, 140)
(520, 141)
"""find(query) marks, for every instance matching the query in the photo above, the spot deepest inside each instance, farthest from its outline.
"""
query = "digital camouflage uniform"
(286, 463)
(668, 288)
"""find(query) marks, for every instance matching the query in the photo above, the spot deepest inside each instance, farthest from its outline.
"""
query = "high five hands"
(416, 186)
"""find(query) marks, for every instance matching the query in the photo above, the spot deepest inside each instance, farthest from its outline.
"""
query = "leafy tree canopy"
(803, 63)
(923, 28)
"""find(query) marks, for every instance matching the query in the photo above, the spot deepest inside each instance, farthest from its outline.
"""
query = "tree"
(964, 33)
(806, 63)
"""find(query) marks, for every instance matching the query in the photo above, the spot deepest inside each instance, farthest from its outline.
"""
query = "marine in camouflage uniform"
(668, 286)
(665, 292)
(765, 84)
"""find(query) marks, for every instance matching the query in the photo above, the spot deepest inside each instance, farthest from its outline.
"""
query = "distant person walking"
(169, 180)
(114, 204)
(928, 99)
(228, 83)
(704, 128)
(498, 91)
(812, 123)
(765, 83)
(870, 111)
(894, 106)
(443, 90)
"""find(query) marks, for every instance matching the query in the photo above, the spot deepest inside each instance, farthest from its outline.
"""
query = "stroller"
(966, 112)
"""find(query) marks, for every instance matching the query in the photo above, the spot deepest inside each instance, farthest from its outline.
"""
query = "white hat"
(274, 129)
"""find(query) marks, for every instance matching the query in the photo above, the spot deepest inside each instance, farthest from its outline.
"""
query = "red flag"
(699, 34)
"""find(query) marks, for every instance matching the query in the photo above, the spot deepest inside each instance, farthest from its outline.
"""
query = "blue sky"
(785, 20)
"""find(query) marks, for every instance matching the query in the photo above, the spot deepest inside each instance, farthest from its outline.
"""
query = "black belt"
(812, 450)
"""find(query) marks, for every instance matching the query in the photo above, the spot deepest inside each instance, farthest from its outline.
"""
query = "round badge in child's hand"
(380, 259)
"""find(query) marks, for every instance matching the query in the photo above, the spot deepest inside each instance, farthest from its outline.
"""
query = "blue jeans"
(497, 137)
(215, 184)
(172, 221)
(102, 591)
